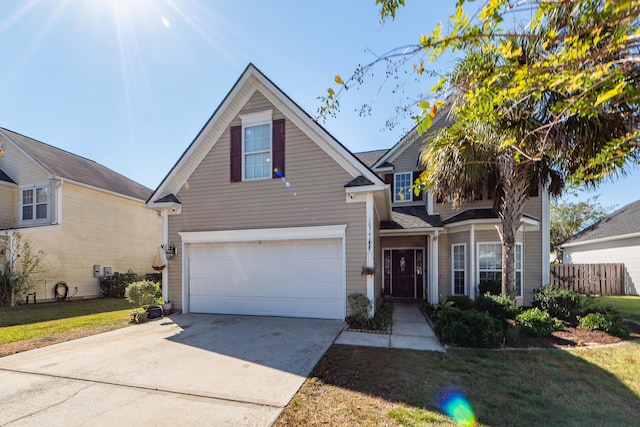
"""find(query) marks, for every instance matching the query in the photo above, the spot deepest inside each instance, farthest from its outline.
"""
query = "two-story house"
(271, 215)
(85, 217)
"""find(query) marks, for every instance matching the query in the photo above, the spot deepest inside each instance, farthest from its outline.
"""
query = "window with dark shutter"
(388, 179)
(278, 148)
(236, 153)
(416, 197)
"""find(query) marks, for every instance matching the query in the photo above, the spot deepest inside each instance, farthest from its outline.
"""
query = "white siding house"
(615, 239)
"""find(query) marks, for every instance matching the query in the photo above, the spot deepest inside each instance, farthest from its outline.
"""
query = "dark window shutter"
(416, 175)
(533, 191)
(236, 153)
(277, 139)
(388, 179)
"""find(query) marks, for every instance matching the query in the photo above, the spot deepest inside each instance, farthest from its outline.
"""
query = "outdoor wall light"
(170, 251)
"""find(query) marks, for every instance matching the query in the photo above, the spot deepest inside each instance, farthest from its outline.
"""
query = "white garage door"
(297, 278)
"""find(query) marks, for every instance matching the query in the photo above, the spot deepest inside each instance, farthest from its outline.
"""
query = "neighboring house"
(614, 239)
(271, 215)
(83, 215)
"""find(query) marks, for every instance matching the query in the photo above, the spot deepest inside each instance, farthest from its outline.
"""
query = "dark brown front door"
(403, 272)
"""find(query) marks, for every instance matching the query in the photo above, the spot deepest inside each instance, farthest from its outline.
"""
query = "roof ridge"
(49, 145)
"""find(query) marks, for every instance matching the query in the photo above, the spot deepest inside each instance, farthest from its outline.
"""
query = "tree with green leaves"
(568, 218)
(553, 102)
(18, 269)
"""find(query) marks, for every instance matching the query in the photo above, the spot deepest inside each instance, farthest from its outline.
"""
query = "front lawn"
(627, 306)
(376, 386)
(30, 326)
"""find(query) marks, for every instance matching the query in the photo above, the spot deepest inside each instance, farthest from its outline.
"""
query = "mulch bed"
(570, 336)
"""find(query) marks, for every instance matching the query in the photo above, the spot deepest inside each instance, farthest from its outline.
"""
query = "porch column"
(370, 253)
(433, 298)
(165, 241)
(472, 262)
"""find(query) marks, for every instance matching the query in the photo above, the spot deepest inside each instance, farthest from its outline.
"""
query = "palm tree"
(526, 146)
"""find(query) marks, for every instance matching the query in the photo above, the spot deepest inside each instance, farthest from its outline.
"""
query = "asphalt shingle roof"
(71, 166)
(625, 220)
(407, 217)
(358, 181)
(476, 213)
(369, 158)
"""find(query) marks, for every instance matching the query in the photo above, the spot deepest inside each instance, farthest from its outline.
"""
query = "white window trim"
(521, 270)
(453, 269)
(35, 220)
(396, 196)
(256, 119)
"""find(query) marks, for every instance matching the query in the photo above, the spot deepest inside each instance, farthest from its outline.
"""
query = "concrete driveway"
(191, 369)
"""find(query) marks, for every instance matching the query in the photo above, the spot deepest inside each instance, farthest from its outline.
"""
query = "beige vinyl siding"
(400, 242)
(446, 209)
(407, 162)
(98, 228)
(20, 167)
(316, 196)
(7, 205)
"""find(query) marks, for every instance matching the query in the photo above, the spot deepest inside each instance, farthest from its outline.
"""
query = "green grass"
(627, 306)
(375, 386)
(35, 321)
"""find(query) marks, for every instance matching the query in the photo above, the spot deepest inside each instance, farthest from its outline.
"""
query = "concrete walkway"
(410, 330)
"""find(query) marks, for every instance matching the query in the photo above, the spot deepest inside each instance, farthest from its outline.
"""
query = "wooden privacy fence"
(601, 279)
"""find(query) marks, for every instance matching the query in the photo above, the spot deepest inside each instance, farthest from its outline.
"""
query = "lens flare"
(456, 406)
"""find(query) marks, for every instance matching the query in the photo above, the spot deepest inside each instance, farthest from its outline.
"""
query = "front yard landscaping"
(550, 387)
(27, 327)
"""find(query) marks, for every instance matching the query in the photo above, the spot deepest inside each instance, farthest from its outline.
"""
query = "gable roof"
(625, 220)
(369, 158)
(250, 81)
(442, 120)
(63, 164)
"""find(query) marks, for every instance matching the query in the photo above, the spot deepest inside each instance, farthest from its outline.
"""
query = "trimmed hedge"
(468, 328)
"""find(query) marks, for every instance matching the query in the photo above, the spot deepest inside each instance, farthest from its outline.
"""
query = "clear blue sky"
(129, 83)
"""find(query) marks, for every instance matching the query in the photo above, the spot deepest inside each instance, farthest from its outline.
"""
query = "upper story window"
(402, 183)
(256, 145)
(34, 203)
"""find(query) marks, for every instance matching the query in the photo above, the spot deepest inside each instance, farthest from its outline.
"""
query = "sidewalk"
(410, 330)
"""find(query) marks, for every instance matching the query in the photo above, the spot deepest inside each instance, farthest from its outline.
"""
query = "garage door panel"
(301, 278)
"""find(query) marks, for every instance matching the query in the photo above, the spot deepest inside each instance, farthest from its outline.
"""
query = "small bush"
(611, 324)
(115, 285)
(360, 306)
(595, 321)
(468, 328)
(558, 302)
(462, 302)
(500, 306)
(537, 323)
(492, 287)
(143, 293)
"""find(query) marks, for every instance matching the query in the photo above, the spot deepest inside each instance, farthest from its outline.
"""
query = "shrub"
(611, 324)
(558, 302)
(360, 307)
(462, 302)
(468, 328)
(115, 285)
(143, 293)
(536, 322)
(500, 306)
(493, 287)
(595, 321)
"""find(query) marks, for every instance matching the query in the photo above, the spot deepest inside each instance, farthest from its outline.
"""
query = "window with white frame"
(459, 268)
(402, 183)
(34, 203)
(490, 264)
(256, 145)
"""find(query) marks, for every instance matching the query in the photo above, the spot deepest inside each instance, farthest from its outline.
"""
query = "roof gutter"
(601, 240)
